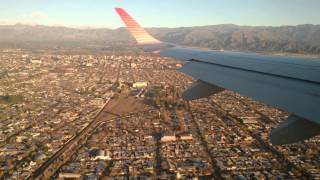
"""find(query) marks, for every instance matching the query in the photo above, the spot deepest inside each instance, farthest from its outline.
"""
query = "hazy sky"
(161, 13)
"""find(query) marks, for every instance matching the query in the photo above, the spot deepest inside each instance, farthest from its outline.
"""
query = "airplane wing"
(288, 83)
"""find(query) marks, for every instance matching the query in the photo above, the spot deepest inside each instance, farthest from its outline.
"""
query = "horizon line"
(114, 28)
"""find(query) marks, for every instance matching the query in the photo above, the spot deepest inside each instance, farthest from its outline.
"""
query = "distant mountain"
(294, 39)
(20, 32)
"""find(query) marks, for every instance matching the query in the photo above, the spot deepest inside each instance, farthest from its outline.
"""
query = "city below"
(118, 114)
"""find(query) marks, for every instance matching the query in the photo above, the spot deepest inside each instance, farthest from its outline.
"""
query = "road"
(111, 111)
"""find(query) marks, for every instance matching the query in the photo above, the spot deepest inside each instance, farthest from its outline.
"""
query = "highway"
(68, 145)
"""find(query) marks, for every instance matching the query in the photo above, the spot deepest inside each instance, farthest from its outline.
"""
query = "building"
(140, 85)
(69, 176)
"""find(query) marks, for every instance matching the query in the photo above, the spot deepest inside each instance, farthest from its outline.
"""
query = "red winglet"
(141, 35)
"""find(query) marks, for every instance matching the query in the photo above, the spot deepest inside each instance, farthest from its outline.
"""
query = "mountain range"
(288, 39)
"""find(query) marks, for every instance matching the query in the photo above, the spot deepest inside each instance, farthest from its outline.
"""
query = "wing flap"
(294, 129)
(200, 89)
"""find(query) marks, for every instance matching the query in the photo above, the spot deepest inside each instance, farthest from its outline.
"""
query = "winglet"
(141, 35)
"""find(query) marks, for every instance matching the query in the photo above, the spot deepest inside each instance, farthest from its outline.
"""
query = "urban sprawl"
(121, 116)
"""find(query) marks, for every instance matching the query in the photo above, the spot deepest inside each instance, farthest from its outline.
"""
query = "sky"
(160, 13)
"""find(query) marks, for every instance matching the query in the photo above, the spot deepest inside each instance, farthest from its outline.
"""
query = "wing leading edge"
(288, 83)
